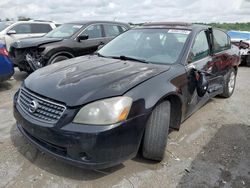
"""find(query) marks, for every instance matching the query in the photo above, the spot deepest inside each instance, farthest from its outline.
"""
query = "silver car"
(13, 31)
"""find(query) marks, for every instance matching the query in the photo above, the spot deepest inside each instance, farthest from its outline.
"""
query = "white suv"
(12, 31)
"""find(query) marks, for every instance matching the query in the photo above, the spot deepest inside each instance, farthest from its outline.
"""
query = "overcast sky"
(129, 10)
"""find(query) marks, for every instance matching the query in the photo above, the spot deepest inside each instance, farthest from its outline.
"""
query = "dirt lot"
(212, 149)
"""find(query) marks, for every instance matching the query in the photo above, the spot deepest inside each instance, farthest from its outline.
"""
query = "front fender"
(148, 94)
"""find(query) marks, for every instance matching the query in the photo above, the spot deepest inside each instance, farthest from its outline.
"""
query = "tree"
(23, 18)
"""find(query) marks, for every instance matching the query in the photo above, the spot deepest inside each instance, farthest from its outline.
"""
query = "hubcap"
(231, 82)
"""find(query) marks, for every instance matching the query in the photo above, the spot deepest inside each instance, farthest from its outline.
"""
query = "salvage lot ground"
(212, 149)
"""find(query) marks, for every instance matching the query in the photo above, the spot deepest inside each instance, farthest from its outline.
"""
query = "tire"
(156, 133)
(229, 84)
(248, 61)
(57, 59)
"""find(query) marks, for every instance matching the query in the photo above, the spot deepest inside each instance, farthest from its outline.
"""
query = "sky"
(135, 11)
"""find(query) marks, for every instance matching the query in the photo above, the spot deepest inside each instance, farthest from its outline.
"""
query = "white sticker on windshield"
(77, 26)
(179, 31)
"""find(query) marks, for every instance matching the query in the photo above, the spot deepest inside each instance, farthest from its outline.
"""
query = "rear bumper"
(91, 147)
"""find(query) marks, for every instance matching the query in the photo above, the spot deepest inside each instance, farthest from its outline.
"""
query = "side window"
(221, 41)
(93, 31)
(40, 28)
(200, 48)
(123, 28)
(22, 28)
(111, 30)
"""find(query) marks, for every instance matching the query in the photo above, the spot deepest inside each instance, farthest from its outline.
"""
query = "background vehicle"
(65, 42)
(6, 66)
(13, 31)
(242, 40)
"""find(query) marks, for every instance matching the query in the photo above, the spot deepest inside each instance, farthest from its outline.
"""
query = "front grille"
(38, 108)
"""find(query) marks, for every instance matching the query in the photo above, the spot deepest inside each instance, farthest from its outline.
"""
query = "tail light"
(4, 52)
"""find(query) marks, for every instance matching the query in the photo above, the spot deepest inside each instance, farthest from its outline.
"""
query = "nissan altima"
(96, 111)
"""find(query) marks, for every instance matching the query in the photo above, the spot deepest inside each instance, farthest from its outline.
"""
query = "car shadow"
(223, 162)
(53, 165)
(6, 85)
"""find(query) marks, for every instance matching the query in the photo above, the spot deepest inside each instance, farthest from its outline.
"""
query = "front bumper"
(92, 147)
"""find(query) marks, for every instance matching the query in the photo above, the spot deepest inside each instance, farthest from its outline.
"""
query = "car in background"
(66, 41)
(242, 40)
(6, 66)
(96, 111)
(13, 31)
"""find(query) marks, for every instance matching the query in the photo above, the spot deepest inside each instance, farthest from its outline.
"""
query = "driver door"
(201, 61)
(94, 38)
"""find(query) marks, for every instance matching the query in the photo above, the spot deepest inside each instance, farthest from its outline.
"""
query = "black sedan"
(66, 41)
(96, 111)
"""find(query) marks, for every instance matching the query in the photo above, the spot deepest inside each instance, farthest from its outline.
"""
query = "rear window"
(112, 30)
(40, 28)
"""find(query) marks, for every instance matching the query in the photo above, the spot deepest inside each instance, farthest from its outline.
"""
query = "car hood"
(33, 42)
(84, 79)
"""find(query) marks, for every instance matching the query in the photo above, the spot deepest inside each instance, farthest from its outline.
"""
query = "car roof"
(96, 21)
(175, 25)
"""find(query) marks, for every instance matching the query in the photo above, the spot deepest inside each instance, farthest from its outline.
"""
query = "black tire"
(227, 92)
(156, 133)
(57, 59)
(248, 61)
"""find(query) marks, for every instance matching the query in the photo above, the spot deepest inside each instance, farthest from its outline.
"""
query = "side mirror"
(202, 84)
(82, 37)
(11, 32)
(190, 57)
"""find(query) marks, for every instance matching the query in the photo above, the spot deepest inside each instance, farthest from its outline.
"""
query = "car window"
(200, 48)
(64, 31)
(22, 28)
(40, 28)
(123, 28)
(221, 41)
(93, 31)
(161, 46)
(3, 25)
(111, 30)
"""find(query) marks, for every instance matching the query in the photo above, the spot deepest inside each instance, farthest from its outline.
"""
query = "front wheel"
(229, 84)
(156, 133)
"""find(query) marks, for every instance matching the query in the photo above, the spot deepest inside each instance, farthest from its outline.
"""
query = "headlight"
(104, 112)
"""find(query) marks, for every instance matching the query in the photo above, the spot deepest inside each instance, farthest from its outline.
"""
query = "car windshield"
(3, 25)
(153, 45)
(64, 31)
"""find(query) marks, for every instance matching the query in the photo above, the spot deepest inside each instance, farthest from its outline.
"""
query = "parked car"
(6, 66)
(13, 31)
(96, 111)
(65, 42)
(242, 40)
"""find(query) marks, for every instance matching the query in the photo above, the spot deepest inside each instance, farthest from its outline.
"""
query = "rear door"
(221, 51)
(201, 61)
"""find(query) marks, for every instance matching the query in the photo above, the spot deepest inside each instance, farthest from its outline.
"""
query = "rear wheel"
(156, 133)
(229, 84)
(57, 59)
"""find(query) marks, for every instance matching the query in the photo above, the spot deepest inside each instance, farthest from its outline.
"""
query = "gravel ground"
(212, 149)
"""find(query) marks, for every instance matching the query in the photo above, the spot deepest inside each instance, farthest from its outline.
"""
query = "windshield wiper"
(124, 58)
